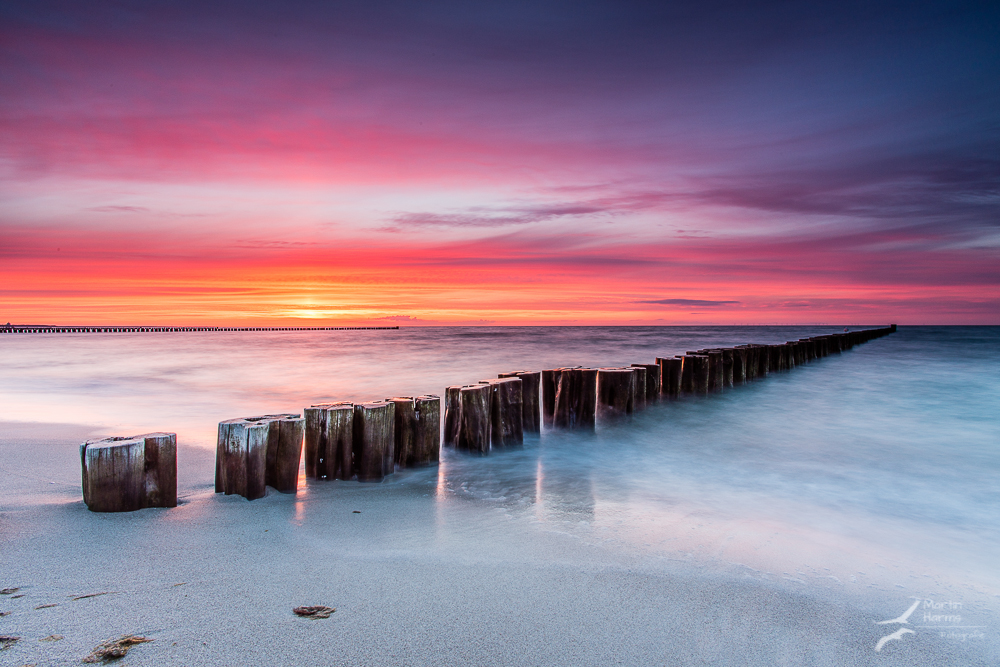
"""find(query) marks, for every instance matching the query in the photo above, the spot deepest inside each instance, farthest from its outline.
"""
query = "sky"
(507, 163)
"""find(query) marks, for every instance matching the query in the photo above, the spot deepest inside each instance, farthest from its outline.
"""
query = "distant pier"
(44, 328)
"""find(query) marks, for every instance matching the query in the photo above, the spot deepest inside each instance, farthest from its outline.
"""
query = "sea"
(871, 476)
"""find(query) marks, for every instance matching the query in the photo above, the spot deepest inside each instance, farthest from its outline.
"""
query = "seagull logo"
(898, 634)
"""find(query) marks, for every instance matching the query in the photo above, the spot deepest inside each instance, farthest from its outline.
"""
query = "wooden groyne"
(43, 329)
(369, 441)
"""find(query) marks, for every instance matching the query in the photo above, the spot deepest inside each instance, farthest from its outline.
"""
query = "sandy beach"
(417, 578)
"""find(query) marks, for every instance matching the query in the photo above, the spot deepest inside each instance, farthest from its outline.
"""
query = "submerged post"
(126, 474)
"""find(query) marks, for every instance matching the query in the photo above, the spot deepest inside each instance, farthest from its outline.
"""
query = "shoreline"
(416, 577)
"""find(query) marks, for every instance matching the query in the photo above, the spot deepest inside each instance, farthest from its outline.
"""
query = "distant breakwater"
(44, 328)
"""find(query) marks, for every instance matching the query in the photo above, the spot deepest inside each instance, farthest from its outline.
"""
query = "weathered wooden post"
(404, 429)
(339, 453)
(654, 382)
(728, 362)
(739, 365)
(530, 389)
(452, 415)
(506, 412)
(575, 403)
(126, 474)
(374, 432)
(284, 451)
(476, 428)
(315, 440)
(241, 458)
(427, 440)
(615, 391)
(550, 380)
(671, 375)
(717, 372)
(700, 372)
(640, 385)
(329, 441)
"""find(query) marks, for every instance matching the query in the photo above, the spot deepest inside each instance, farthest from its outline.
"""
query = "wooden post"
(328, 437)
(475, 432)
(640, 385)
(404, 429)
(576, 398)
(615, 391)
(284, 450)
(700, 373)
(671, 374)
(728, 371)
(654, 381)
(339, 453)
(126, 474)
(241, 457)
(530, 389)
(549, 382)
(373, 440)
(427, 439)
(315, 440)
(716, 370)
(452, 415)
(506, 412)
(739, 365)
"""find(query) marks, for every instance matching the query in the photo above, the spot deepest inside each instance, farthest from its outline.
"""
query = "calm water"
(872, 472)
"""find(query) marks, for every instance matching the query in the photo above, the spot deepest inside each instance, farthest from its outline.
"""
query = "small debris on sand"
(51, 638)
(9, 591)
(14, 597)
(183, 583)
(356, 512)
(6, 641)
(46, 606)
(115, 648)
(317, 611)
(92, 595)
(4, 613)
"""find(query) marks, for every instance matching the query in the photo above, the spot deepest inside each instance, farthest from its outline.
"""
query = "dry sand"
(417, 578)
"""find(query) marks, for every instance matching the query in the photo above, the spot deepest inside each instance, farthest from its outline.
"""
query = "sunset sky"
(303, 163)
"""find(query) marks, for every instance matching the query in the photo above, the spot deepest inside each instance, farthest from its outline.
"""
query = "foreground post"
(284, 451)
(127, 474)
(257, 452)
(240, 458)
(373, 440)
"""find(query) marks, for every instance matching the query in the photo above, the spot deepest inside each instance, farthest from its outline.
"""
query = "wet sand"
(418, 577)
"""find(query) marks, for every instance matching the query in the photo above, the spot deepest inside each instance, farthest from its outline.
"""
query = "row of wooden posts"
(368, 441)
